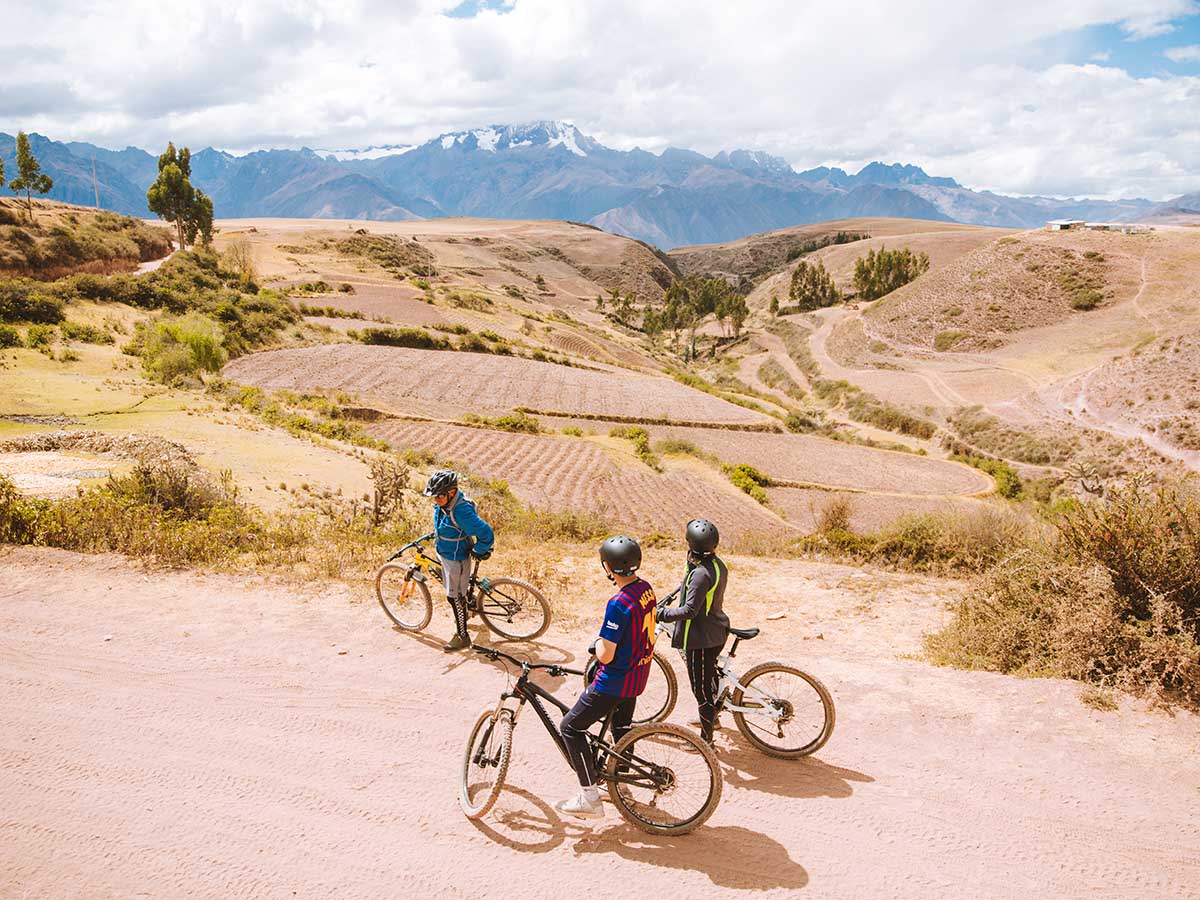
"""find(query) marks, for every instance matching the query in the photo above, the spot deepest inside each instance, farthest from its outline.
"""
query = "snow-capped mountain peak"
(367, 152)
(495, 138)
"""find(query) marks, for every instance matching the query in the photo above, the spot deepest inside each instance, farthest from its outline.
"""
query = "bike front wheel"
(792, 713)
(485, 763)
(657, 701)
(405, 599)
(513, 609)
(673, 780)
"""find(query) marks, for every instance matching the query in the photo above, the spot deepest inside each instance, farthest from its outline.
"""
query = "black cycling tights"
(590, 708)
(459, 605)
(702, 673)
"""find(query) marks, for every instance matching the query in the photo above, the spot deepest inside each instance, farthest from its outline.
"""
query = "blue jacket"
(459, 529)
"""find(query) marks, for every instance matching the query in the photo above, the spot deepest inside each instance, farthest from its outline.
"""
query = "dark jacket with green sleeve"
(699, 619)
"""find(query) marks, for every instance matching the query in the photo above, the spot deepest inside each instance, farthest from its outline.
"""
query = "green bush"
(404, 337)
(176, 348)
(23, 300)
(40, 336)
(641, 443)
(1008, 483)
(573, 431)
(517, 422)
(749, 480)
(88, 334)
(9, 337)
(944, 340)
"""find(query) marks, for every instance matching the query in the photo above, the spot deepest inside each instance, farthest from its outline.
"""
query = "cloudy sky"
(1070, 97)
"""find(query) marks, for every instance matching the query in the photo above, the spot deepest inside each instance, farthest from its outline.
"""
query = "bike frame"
(729, 682)
(425, 566)
(525, 691)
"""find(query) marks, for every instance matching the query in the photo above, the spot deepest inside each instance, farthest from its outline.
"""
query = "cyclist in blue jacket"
(461, 536)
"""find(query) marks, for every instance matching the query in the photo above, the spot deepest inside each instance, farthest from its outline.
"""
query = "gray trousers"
(457, 576)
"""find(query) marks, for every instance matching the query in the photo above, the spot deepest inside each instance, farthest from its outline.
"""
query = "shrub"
(749, 480)
(22, 300)
(88, 334)
(346, 288)
(641, 443)
(1008, 483)
(517, 422)
(947, 339)
(573, 431)
(403, 337)
(456, 328)
(175, 348)
(40, 336)
(835, 514)
(9, 337)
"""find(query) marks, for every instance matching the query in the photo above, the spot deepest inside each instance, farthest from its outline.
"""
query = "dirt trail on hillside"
(171, 734)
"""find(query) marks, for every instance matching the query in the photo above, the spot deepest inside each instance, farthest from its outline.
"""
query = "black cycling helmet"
(623, 555)
(702, 537)
(440, 482)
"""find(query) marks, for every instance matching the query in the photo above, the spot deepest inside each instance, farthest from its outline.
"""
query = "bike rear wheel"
(657, 701)
(797, 714)
(512, 608)
(405, 600)
(678, 779)
(485, 763)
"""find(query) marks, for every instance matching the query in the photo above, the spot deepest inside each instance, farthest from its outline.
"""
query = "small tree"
(30, 177)
(173, 199)
(812, 287)
(881, 272)
(774, 305)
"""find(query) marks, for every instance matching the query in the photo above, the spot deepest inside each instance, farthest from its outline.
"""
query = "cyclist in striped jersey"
(624, 649)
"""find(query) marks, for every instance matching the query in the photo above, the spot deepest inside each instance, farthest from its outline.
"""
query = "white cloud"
(944, 84)
(1100, 56)
(1184, 54)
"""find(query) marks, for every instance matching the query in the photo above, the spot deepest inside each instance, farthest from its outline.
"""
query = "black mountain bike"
(511, 608)
(661, 778)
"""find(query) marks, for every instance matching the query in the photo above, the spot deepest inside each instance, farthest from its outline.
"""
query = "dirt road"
(173, 735)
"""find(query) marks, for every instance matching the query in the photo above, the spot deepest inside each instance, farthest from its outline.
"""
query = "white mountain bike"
(781, 710)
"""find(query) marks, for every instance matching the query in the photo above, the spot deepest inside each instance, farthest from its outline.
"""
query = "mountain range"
(551, 170)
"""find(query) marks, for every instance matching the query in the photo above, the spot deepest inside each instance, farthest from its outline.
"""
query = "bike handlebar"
(554, 669)
(417, 543)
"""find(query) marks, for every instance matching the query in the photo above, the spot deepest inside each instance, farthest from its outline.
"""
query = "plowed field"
(569, 473)
(801, 457)
(868, 512)
(448, 384)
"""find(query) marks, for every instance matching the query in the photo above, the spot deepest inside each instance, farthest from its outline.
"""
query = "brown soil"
(191, 735)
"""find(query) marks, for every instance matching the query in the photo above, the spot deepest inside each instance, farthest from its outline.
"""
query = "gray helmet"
(440, 482)
(702, 537)
(623, 555)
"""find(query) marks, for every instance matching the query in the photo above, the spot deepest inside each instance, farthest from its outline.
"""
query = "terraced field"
(803, 507)
(447, 384)
(569, 473)
(817, 460)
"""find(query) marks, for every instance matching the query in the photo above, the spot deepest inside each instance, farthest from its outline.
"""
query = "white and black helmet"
(440, 482)
(702, 537)
(623, 555)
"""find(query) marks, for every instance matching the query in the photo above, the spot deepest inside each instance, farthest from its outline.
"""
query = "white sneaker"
(580, 807)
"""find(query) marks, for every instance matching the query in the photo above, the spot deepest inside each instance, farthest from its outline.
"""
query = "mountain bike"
(779, 709)
(511, 608)
(661, 778)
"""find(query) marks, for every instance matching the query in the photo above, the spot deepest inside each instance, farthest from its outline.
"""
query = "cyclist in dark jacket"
(701, 625)
(461, 536)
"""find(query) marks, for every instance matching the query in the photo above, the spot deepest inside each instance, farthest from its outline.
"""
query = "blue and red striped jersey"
(628, 623)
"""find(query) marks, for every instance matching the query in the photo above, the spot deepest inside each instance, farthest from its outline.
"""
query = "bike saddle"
(744, 633)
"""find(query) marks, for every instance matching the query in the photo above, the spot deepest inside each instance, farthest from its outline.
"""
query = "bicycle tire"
(397, 611)
(644, 714)
(620, 794)
(516, 585)
(756, 736)
(485, 729)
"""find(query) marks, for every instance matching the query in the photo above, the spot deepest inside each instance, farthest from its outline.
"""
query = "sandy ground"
(206, 736)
